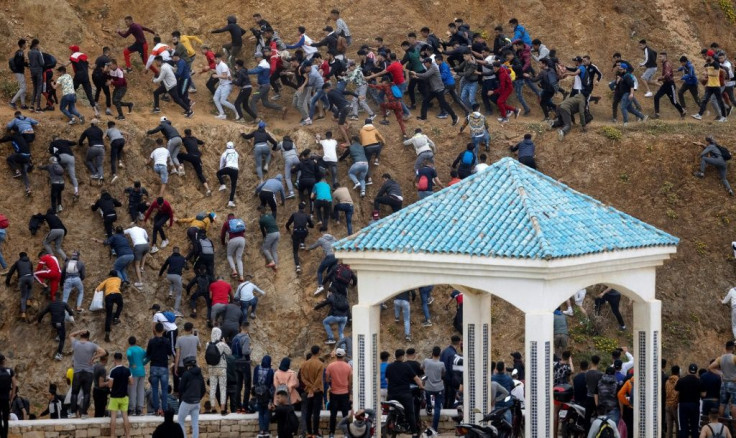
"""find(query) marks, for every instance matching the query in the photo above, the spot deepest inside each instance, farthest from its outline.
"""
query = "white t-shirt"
(580, 296)
(168, 326)
(329, 146)
(138, 235)
(229, 158)
(160, 156)
(223, 70)
(731, 296)
(480, 167)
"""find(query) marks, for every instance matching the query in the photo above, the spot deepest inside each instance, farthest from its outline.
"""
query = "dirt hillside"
(647, 172)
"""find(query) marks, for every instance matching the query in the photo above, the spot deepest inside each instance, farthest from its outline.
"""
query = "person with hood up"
(232, 49)
(217, 373)
(268, 190)
(229, 168)
(56, 179)
(263, 389)
(24, 267)
(191, 391)
(106, 204)
(287, 377)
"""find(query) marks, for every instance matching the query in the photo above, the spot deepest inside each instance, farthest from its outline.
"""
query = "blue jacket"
(120, 244)
(263, 74)
(689, 77)
(446, 74)
(521, 34)
(183, 72)
(22, 123)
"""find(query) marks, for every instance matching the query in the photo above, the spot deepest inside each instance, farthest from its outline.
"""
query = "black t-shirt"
(98, 372)
(119, 376)
(416, 367)
(430, 173)
(688, 389)
(400, 377)
(6, 383)
(710, 384)
(579, 387)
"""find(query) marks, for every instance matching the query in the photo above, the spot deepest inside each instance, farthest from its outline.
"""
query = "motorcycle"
(572, 420)
(496, 425)
(393, 421)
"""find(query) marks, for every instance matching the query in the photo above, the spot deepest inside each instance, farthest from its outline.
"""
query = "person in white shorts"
(579, 297)
(159, 157)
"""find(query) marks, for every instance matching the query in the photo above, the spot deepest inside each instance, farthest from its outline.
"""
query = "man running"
(117, 79)
(140, 45)
(668, 87)
(222, 73)
(48, 268)
(167, 79)
(232, 49)
(24, 267)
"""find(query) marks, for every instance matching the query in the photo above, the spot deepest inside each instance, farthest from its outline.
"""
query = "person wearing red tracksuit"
(140, 45)
(503, 92)
(391, 103)
(48, 269)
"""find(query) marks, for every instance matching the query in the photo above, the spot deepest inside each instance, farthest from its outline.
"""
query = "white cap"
(163, 118)
(230, 145)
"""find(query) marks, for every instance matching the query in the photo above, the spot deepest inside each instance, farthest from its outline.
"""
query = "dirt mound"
(647, 173)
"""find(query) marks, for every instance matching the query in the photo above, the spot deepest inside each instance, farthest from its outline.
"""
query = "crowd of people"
(470, 79)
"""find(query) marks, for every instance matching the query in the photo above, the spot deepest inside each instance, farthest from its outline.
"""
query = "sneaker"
(560, 134)
(222, 188)
(569, 312)
(330, 342)
(108, 112)
(265, 167)
(356, 186)
(306, 121)
(209, 192)
(138, 285)
(72, 121)
(276, 97)
(644, 119)
(369, 182)
(164, 243)
(221, 117)
(397, 320)
(455, 120)
(623, 327)
(58, 356)
(427, 323)
(721, 120)
(655, 116)
(384, 122)
(442, 116)
(253, 315)
(319, 290)
(375, 162)
(371, 117)
(59, 208)
(156, 110)
(14, 106)
(230, 204)
(302, 246)
(362, 194)
(509, 114)
(430, 301)
(648, 94)
(517, 112)
(181, 170)
(699, 174)
(114, 178)
(697, 117)
(154, 250)
(407, 338)
(353, 118)
(298, 269)
(189, 114)
(130, 108)
(503, 119)
(290, 195)
(120, 117)
(728, 111)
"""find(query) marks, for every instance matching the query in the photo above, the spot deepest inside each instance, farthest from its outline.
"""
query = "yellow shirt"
(713, 77)
(186, 41)
(110, 286)
(203, 224)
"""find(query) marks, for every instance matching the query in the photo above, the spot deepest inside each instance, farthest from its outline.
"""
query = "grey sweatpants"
(174, 145)
(68, 162)
(262, 95)
(270, 247)
(235, 247)
(175, 289)
(719, 164)
(137, 391)
(290, 162)
(301, 102)
(57, 237)
(21, 94)
(360, 100)
(94, 159)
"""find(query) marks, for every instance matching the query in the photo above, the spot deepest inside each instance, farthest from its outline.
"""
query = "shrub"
(611, 133)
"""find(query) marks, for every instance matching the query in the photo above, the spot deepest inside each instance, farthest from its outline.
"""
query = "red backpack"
(4, 222)
(423, 183)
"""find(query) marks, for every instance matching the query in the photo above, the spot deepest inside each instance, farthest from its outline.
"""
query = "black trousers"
(87, 87)
(101, 87)
(394, 203)
(340, 402)
(413, 85)
(314, 406)
(99, 396)
(324, 208)
(667, 89)
(242, 379)
(212, 84)
(173, 92)
(450, 394)
(233, 174)
(486, 86)
(692, 88)
(196, 163)
(4, 416)
(297, 238)
(56, 190)
(82, 380)
(117, 99)
(112, 300)
(614, 301)
(159, 221)
(407, 401)
(546, 102)
(116, 151)
(305, 191)
(61, 333)
(107, 221)
(268, 198)
(206, 295)
(241, 103)
(715, 92)
(440, 96)
(528, 161)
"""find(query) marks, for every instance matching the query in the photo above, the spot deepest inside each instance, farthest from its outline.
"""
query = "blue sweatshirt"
(263, 72)
(690, 78)
(23, 124)
(446, 74)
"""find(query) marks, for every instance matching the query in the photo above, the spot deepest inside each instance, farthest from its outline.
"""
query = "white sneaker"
(114, 178)
(697, 117)
(648, 94)
(165, 243)
(306, 121)
(58, 356)
(154, 250)
(569, 312)
(722, 119)
(230, 204)
(222, 188)
(319, 290)
(356, 186)
(181, 170)
(221, 117)
(59, 208)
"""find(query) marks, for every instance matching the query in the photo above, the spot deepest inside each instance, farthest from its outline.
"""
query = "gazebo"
(518, 234)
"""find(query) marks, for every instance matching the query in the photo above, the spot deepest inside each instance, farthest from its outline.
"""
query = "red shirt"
(48, 262)
(396, 70)
(210, 56)
(220, 291)
(165, 209)
(453, 181)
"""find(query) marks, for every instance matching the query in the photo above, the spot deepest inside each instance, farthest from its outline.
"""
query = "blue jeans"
(403, 87)
(341, 321)
(2, 239)
(357, 174)
(68, 106)
(188, 409)
(467, 93)
(264, 417)
(319, 95)
(348, 209)
(627, 106)
(614, 415)
(248, 304)
(324, 265)
(425, 293)
(403, 306)
(518, 86)
(439, 400)
(485, 139)
(69, 284)
(121, 265)
(159, 376)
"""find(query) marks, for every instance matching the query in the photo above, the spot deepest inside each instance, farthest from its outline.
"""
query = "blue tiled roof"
(508, 210)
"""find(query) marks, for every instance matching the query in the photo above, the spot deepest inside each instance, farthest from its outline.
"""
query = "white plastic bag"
(97, 301)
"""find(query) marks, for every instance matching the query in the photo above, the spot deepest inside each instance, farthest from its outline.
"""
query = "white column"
(647, 376)
(366, 328)
(476, 354)
(538, 348)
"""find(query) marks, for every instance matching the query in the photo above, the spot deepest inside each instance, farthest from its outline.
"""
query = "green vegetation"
(612, 133)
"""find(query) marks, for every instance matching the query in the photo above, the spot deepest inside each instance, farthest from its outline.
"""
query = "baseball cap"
(710, 53)
(578, 59)
(156, 307)
(516, 355)
(163, 118)
(328, 29)
(340, 352)
(693, 368)
(74, 48)
(230, 145)
(261, 124)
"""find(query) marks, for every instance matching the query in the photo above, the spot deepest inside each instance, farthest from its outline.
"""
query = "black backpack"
(340, 302)
(11, 64)
(49, 61)
(725, 153)
(212, 354)
(605, 430)
(262, 389)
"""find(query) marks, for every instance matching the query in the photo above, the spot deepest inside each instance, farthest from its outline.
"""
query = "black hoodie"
(107, 204)
(191, 386)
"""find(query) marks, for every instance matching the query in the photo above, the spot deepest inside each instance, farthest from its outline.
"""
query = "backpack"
(262, 389)
(423, 183)
(477, 125)
(4, 222)
(170, 316)
(561, 373)
(605, 430)
(340, 302)
(72, 267)
(11, 64)
(713, 432)
(468, 158)
(49, 61)
(238, 344)
(342, 44)
(236, 225)
(201, 216)
(206, 247)
(725, 153)
(396, 91)
(344, 274)
(212, 354)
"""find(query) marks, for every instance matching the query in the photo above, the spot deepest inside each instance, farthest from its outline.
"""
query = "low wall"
(210, 426)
